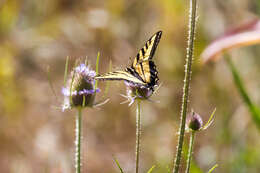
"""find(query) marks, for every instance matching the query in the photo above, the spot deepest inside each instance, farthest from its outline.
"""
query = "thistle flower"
(80, 90)
(135, 91)
(194, 121)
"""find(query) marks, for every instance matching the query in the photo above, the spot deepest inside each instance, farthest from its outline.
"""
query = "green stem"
(192, 137)
(255, 113)
(78, 131)
(186, 87)
(138, 135)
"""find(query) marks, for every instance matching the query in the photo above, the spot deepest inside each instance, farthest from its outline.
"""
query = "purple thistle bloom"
(135, 91)
(80, 89)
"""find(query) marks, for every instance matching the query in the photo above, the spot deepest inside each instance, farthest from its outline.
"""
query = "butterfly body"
(143, 71)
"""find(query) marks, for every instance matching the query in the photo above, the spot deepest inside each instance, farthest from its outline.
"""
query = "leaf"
(255, 112)
(118, 165)
(72, 81)
(210, 121)
(97, 64)
(50, 82)
(86, 61)
(212, 169)
(151, 169)
(168, 169)
(66, 71)
(107, 83)
(244, 35)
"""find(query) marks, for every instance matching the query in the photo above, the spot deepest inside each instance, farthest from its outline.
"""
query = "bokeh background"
(36, 136)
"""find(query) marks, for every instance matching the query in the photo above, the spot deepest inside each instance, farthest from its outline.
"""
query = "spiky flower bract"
(80, 88)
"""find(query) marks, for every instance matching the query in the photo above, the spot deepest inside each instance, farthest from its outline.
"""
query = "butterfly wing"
(120, 75)
(143, 64)
(148, 50)
(143, 70)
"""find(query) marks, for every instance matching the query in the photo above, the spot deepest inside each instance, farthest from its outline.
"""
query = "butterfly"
(143, 71)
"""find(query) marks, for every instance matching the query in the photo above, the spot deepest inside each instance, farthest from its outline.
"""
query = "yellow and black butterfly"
(143, 70)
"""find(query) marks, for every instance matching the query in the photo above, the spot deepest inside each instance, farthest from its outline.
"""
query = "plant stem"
(138, 135)
(78, 131)
(254, 110)
(186, 87)
(192, 137)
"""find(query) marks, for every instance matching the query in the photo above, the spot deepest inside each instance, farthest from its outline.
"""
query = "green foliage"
(66, 71)
(210, 121)
(50, 82)
(34, 34)
(107, 83)
(151, 169)
(194, 168)
(78, 141)
(186, 86)
(254, 110)
(10, 95)
(97, 64)
(118, 165)
(8, 15)
(213, 168)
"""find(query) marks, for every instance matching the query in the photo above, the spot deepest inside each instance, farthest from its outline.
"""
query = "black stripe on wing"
(120, 75)
(155, 44)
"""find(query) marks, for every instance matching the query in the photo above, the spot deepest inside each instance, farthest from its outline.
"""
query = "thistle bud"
(194, 122)
(80, 90)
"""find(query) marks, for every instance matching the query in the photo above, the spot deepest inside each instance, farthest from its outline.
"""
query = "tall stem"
(186, 87)
(192, 137)
(255, 112)
(78, 131)
(138, 135)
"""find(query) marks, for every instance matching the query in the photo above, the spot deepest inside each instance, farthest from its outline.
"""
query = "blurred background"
(36, 136)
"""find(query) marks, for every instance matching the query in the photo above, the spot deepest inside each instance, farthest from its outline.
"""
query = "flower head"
(194, 122)
(80, 90)
(135, 91)
(138, 91)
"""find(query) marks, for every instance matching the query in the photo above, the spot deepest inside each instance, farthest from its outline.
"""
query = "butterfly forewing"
(142, 62)
(148, 50)
(120, 75)
(143, 70)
